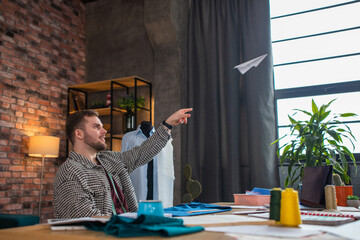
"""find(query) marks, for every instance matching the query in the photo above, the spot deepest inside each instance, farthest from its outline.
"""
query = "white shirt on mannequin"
(163, 169)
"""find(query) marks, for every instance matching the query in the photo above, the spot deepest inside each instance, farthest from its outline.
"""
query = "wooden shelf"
(118, 136)
(106, 84)
(107, 111)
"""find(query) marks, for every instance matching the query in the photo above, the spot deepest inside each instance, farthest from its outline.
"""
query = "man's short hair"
(77, 121)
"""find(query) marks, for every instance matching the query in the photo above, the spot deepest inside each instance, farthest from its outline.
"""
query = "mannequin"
(163, 168)
(146, 127)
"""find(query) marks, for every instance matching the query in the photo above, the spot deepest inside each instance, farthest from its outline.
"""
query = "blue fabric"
(262, 191)
(144, 225)
(195, 208)
(17, 220)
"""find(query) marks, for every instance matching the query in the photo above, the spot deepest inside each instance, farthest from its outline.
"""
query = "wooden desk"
(43, 232)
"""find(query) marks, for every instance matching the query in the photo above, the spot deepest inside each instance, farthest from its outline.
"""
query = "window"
(316, 54)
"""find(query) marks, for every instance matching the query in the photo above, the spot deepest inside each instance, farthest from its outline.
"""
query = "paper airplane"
(244, 67)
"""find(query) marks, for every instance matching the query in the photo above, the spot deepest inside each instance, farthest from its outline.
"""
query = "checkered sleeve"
(142, 154)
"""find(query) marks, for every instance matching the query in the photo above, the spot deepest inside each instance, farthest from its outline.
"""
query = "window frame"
(316, 90)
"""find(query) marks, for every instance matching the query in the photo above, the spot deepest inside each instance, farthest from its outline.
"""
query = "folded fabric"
(144, 225)
(195, 208)
(262, 191)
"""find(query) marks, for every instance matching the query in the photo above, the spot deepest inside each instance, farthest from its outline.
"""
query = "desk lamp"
(43, 146)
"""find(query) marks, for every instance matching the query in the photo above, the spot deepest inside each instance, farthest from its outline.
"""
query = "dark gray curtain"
(233, 122)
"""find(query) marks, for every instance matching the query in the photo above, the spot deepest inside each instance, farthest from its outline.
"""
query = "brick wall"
(42, 52)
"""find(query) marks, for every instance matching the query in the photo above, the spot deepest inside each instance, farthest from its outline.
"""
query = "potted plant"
(352, 201)
(317, 141)
(128, 103)
(98, 104)
(342, 191)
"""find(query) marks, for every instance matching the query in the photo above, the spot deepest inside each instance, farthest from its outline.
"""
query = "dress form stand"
(146, 127)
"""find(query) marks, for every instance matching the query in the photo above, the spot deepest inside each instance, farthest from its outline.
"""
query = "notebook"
(314, 219)
(73, 224)
(355, 215)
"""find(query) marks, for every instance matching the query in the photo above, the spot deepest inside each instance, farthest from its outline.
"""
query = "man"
(93, 182)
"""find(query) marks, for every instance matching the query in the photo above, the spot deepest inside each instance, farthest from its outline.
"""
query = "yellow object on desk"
(290, 210)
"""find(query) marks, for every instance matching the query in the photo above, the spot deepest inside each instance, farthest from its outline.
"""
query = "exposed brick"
(5, 117)
(4, 200)
(5, 148)
(5, 174)
(17, 206)
(6, 105)
(4, 141)
(17, 168)
(29, 175)
(43, 102)
(5, 161)
(7, 99)
(7, 124)
(31, 116)
(42, 52)
(18, 108)
(27, 199)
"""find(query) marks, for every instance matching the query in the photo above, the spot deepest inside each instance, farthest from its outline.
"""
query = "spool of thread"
(290, 210)
(275, 204)
(108, 99)
(330, 197)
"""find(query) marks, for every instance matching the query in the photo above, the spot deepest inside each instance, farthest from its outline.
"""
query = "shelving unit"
(81, 96)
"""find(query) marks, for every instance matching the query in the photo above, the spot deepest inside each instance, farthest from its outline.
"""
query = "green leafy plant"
(352, 197)
(317, 141)
(98, 104)
(128, 103)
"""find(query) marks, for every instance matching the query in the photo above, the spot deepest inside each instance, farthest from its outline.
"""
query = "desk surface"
(43, 232)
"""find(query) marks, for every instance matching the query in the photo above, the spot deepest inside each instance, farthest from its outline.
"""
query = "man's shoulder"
(69, 164)
(68, 168)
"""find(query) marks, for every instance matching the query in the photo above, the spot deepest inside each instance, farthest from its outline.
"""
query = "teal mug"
(151, 207)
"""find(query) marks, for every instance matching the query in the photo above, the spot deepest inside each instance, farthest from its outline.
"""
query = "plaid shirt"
(81, 188)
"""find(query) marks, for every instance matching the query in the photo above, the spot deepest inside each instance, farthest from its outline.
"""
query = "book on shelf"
(76, 102)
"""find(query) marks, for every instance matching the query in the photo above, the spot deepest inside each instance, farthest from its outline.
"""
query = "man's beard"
(97, 145)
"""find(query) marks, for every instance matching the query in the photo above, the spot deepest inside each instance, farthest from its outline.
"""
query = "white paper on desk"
(220, 218)
(249, 207)
(349, 230)
(250, 212)
(76, 220)
(134, 215)
(244, 67)
(348, 209)
(73, 224)
(265, 230)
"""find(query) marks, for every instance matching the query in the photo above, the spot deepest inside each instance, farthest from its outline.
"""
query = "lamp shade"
(44, 146)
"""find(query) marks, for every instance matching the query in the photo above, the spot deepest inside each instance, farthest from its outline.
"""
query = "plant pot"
(353, 203)
(314, 181)
(129, 122)
(341, 193)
